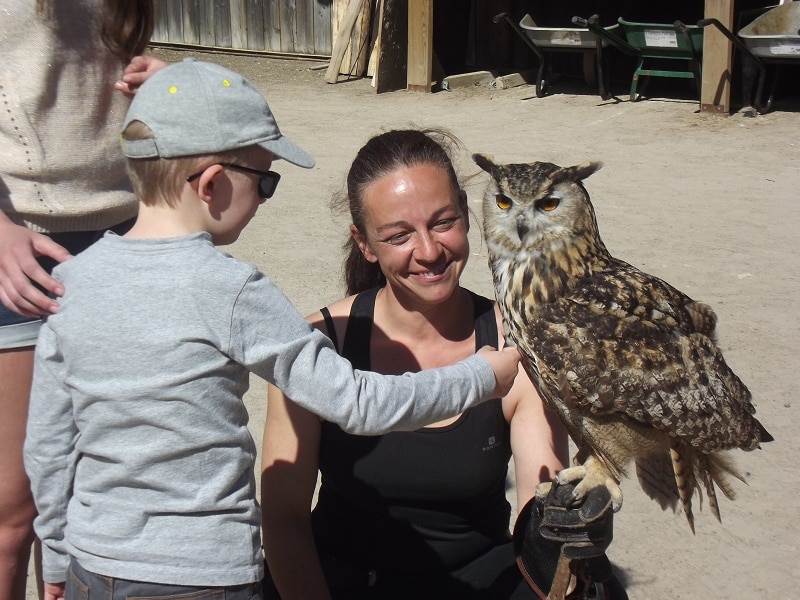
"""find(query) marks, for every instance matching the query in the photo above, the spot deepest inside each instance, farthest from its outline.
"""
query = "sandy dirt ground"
(709, 203)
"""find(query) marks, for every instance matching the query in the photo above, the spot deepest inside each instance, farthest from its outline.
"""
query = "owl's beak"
(522, 226)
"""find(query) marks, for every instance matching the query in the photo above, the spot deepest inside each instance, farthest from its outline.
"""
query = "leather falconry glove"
(554, 540)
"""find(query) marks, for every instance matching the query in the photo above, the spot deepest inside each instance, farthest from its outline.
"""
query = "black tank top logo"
(491, 444)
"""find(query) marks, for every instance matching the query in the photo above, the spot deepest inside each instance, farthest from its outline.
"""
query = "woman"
(417, 514)
(62, 180)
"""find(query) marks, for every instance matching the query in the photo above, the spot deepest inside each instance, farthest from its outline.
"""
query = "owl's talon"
(571, 474)
(589, 475)
(543, 489)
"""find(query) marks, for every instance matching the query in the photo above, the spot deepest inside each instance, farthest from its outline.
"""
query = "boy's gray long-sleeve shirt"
(138, 451)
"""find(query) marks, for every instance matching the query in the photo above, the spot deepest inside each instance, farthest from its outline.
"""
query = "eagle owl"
(629, 363)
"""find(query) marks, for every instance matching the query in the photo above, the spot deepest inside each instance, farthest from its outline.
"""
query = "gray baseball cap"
(195, 107)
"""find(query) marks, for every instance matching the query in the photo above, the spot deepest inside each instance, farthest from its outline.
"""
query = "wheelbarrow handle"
(681, 27)
(593, 25)
(534, 48)
(581, 22)
(501, 16)
(734, 39)
(761, 107)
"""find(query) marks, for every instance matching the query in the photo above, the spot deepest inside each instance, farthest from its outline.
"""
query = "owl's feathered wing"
(632, 367)
(623, 344)
(635, 363)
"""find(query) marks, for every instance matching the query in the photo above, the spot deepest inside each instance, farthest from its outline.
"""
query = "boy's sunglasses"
(266, 184)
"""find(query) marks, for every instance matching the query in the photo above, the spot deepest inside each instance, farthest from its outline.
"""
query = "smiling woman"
(415, 230)
(419, 514)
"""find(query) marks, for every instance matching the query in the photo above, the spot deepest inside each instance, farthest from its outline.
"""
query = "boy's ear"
(362, 244)
(206, 184)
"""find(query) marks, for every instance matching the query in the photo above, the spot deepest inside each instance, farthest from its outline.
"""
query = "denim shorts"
(17, 331)
(85, 585)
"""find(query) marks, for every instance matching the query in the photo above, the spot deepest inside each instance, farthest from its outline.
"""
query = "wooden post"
(420, 45)
(391, 73)
(715, 95)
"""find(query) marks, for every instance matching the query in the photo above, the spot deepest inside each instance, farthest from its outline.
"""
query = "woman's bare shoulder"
(338, 310)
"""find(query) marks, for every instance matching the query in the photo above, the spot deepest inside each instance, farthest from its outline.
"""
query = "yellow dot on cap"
(226, 83)
(173, 89)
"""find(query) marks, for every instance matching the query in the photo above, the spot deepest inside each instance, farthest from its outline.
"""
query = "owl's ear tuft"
(485, 163)
(583, 170)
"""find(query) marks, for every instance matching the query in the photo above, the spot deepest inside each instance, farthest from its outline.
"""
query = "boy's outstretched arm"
(279, 346)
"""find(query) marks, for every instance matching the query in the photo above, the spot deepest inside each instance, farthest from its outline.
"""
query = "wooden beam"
(715, 94)
(419, 72)
(375, 37)
(354, 62)
(342, 40)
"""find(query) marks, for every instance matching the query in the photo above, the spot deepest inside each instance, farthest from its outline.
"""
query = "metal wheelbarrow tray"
(562, 37)
(772, 38)
(649, 42)
(543, 40)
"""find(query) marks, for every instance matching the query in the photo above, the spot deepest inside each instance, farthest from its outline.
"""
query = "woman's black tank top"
(414, 501)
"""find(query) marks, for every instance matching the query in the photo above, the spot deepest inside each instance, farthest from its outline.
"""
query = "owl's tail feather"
(705, 473)
(657, 479)
(720, 466)
(684, 478)
(672, 478)
(712, 469)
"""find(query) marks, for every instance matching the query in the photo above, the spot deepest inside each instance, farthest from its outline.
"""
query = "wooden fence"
(297, 27)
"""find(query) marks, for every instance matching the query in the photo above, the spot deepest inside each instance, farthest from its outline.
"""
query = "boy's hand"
(505, 364)
(19, 248)
(54, 591)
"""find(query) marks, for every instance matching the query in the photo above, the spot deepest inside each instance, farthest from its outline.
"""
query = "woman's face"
(416, 230)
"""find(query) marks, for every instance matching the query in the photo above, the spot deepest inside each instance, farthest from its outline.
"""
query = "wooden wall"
(298, 27)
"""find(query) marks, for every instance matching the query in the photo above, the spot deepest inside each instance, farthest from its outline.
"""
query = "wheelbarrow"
(772, 38)
(650, 42)
(545, 40)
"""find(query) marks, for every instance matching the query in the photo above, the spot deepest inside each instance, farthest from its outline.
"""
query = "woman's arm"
(137, 72)
(539, 442)
(289, 468)
(288, 477)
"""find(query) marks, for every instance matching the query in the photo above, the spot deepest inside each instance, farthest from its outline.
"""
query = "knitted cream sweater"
(61, 167)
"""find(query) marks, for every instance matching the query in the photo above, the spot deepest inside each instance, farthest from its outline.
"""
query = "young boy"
(138, 451)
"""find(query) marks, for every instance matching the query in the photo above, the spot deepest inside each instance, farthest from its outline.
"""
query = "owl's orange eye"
(503, 202)
(548, 204)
